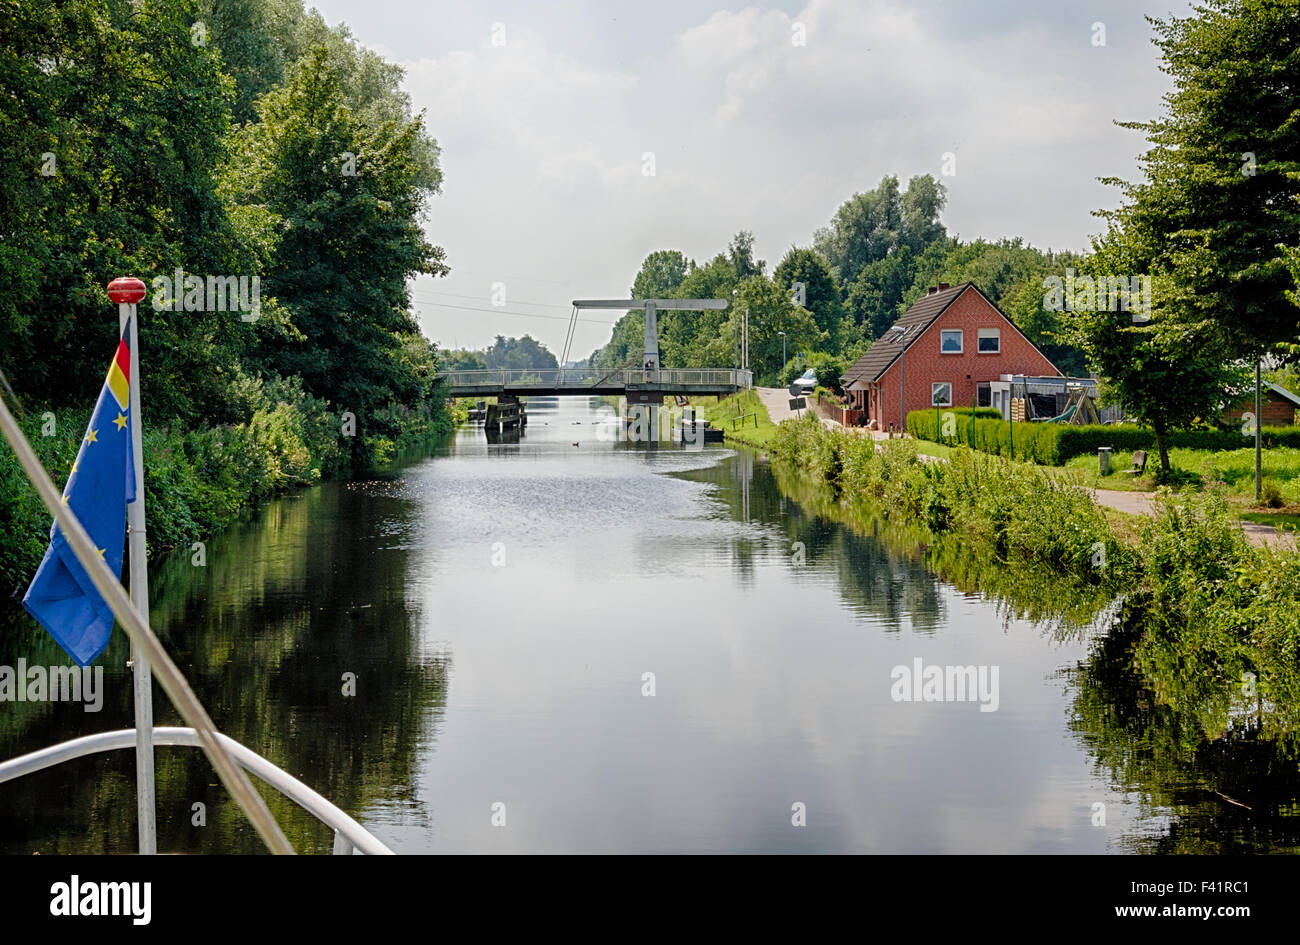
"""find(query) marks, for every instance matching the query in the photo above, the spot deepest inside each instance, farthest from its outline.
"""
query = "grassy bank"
(199, 481)
(742, 417)
(1213, 610)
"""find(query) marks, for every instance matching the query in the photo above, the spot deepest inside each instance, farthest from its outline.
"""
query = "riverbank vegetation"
(201, 147)
(742, 417)
(1219, 624)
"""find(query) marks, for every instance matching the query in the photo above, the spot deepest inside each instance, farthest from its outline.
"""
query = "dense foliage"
(1219, 629)
(200, 143)
(877, 256)
(1210, 221)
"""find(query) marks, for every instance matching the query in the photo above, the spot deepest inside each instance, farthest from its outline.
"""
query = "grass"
(1287, 521)
(930, 448)
(723, 414)
(1233, 473)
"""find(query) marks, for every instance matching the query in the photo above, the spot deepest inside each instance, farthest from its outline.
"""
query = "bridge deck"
(577, 383)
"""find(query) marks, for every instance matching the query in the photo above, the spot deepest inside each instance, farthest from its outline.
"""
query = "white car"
(807, 381)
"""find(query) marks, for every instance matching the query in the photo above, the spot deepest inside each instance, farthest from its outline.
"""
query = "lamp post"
(782, 334)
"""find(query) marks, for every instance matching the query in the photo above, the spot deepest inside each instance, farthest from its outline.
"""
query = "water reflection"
(508, 609)
(313, 588)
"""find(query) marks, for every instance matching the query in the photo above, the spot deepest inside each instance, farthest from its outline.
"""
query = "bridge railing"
(578, 378)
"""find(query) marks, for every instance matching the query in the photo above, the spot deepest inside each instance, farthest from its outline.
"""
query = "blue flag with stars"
(62, 597)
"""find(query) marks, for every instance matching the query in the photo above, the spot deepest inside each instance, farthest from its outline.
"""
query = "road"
(776, 400)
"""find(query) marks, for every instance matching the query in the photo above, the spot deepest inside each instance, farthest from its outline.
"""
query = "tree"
(741, 253)
(869, 226)
(821, 294)
(1223, 172)
(1168, 372)
(770, 312)
(661, 273)
(519, 354)
(344, 193)
(114, 123)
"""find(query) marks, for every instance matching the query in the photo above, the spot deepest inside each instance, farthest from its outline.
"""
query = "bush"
(1022, 512)
(1054, 444)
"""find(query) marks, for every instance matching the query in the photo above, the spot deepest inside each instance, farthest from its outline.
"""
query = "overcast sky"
(545, 112)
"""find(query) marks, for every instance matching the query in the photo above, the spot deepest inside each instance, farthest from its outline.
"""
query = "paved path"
(1143, 503)
(777, 402)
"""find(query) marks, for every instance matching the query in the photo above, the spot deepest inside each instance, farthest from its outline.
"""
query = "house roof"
(1285, 394)
(1248, 392)
(902, 333)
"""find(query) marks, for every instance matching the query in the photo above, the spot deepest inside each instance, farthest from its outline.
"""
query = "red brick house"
(943, 352)
(1277, 406)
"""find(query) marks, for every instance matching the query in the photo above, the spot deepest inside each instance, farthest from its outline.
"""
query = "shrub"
(1054, 444)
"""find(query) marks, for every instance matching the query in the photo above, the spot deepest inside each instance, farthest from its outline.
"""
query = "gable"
(903, 333)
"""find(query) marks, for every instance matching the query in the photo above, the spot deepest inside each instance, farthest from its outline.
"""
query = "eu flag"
(62, 597)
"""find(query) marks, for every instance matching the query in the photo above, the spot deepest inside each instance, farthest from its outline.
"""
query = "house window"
(941, 395)
(990, 340)
(950, 341)
(983, 395)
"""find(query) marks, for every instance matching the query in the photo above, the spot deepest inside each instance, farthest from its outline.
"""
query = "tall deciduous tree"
(1168, 371)
(805, 270)
(1223, 172)
(345, 195)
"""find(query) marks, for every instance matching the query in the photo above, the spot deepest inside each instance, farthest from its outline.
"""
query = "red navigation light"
(126, 289)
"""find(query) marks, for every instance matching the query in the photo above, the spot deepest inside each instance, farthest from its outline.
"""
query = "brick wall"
(924, 364)
(1276, 411)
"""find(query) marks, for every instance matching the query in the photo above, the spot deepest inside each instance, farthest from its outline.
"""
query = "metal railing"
(579, 378)
(348, 834)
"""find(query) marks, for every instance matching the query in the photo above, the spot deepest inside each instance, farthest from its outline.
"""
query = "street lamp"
(782, 334)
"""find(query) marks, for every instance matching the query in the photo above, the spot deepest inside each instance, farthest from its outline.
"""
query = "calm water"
(501, 607)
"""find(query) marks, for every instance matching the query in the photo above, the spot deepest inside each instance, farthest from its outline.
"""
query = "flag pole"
(126, 292)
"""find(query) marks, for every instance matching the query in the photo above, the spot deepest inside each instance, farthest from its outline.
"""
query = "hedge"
(1054, 444)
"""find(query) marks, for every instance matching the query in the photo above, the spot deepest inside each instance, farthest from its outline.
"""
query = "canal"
(573, 644)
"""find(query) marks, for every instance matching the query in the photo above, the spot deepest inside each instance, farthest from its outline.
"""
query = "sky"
(578, 137)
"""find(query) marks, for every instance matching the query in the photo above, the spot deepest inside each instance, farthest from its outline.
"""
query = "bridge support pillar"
(643, 417)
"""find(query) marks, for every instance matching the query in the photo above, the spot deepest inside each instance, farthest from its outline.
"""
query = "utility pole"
(1258, 435)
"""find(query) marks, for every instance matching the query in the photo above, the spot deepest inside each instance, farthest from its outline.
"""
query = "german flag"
(119, 373)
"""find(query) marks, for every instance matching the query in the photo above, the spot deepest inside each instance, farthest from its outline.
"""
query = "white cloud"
(543, 138)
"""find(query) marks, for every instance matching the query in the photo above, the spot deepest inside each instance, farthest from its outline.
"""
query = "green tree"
(741, 253)
(1168, 372)
(114, 123)
(770, 312)
(1223, 172)
(345, 193)
(661, 274)
(821, 293)
(519, 354)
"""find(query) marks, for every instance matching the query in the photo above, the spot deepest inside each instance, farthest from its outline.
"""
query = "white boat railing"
(348, 834)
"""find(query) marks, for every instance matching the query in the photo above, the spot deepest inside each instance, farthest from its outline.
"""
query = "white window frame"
(980, 336)
(933, 401)
(961, 340)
